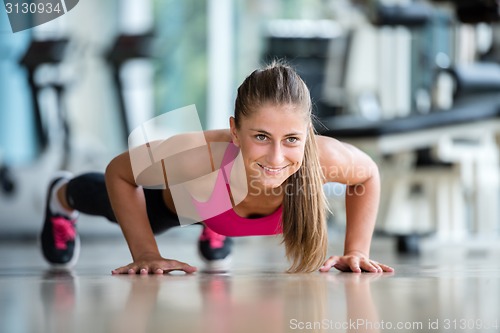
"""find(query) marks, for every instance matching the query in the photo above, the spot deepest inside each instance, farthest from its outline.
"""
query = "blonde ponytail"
(304, 213)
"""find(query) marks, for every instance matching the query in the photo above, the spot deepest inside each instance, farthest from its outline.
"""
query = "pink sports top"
(229, 223)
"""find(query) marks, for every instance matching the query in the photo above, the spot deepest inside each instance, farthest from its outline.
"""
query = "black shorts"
(87, 193)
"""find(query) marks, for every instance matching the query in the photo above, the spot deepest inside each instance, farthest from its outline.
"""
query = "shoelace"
(64, 231)
(216, 240)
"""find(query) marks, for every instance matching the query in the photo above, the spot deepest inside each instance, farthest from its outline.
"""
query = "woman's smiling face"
(272, 141)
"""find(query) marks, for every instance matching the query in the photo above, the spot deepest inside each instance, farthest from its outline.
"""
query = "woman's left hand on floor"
(356, 263)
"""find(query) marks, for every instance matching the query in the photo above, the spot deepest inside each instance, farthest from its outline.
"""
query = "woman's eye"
(260, 137)
(292, 140)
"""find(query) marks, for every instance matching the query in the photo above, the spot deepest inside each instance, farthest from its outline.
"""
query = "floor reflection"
(255, 303)
(430, 294)
(58, 295)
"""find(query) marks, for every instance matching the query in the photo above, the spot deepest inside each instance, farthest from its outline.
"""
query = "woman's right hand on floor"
(154, 265)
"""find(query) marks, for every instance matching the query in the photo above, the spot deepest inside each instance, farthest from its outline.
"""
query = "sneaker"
(215, 250)
(59, 238)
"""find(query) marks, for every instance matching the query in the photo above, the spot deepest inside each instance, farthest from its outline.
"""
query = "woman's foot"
(215, 250)
(59, 238)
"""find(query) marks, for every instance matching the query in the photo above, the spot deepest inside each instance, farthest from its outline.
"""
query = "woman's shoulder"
(333, 151)
(194, 155)
(193, 139)
(187, 146)
(329, 148)
(342, 162)
(219, 135)
(197, 168)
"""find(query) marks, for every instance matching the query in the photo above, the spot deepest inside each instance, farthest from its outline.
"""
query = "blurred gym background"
(416, 84)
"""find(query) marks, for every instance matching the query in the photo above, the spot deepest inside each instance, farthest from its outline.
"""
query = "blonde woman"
(285, 165)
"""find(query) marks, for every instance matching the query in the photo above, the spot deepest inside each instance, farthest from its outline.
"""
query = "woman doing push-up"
(262, 176)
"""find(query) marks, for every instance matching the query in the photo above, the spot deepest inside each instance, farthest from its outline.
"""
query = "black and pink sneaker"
(59, 238)
(215, 250)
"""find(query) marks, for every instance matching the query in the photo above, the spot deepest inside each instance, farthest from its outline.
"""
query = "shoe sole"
(216, 266)
(76, 252)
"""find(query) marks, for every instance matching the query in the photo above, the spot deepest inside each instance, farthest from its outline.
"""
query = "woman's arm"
(348, 165)
(129, 206)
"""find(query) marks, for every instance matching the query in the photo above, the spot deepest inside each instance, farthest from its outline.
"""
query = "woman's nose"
(275, 156)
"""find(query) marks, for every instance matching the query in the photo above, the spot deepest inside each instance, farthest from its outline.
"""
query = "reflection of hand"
(357, 280)
(154, 264)
(361, 308)
(354, 262)
(135, 316)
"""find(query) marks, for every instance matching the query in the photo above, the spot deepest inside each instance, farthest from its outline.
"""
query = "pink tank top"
(229, 223)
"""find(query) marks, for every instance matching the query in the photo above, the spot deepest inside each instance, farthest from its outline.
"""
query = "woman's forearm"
(129, 206)
(362, 203)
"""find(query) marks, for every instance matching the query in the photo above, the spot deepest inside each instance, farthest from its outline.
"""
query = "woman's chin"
(272, 184)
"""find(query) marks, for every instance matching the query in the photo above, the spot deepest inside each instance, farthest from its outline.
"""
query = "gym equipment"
(125, 48)
(413, 14)
(308, 46)
(463, 192)
(41, 53)
(473, 11)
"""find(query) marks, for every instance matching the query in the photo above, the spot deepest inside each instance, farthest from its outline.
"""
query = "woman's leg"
(87, 194)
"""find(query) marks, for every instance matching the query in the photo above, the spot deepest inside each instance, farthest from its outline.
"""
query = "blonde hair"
(304, 205)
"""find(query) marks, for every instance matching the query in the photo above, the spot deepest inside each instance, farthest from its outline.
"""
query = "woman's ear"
(234, 131)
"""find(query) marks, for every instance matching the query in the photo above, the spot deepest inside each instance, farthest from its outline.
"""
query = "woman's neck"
(258, 205)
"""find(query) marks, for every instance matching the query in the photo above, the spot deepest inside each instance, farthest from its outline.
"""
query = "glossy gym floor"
(447, 288)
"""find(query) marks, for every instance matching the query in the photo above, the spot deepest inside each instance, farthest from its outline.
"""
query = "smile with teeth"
(271, 170)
